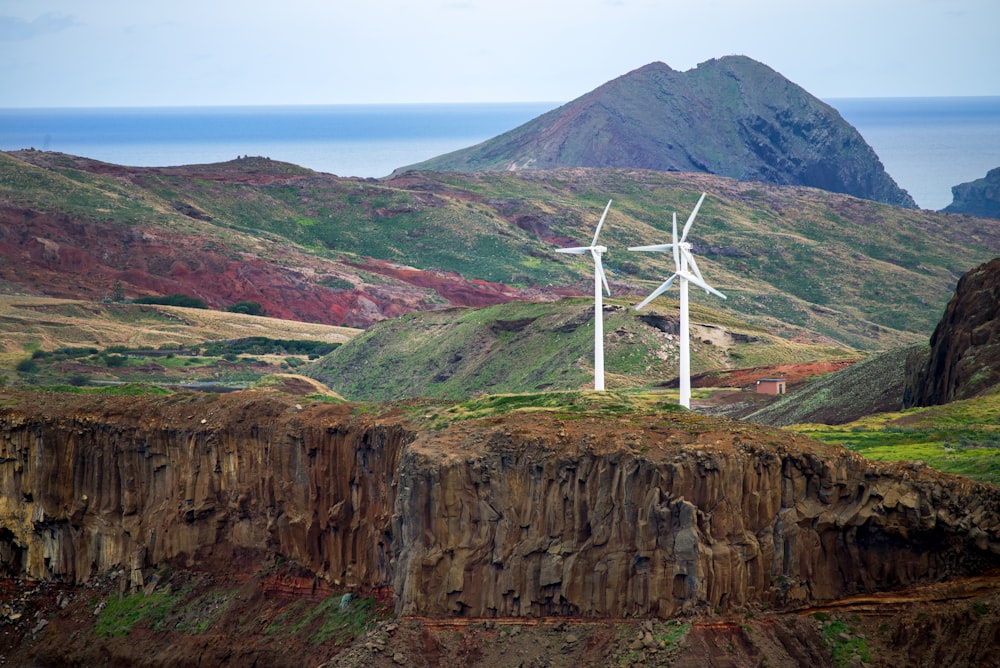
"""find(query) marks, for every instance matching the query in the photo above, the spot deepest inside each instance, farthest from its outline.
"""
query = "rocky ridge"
(977, 198)
(964, 357)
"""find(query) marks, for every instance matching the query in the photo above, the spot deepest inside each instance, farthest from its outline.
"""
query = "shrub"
(172, 300)
(247, 308)
(114, 361)
(27, 365)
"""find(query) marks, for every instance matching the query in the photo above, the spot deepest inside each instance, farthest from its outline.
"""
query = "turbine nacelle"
(685, 266)
(595, 252)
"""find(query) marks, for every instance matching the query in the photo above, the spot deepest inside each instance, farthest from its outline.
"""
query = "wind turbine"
(599, 279)
(686, 270)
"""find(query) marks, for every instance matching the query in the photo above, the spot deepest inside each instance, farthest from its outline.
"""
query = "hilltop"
(806, 264)
(730, 116)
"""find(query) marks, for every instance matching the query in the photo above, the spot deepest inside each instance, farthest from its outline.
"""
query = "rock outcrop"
(964, 358)
(729, 116)
(977, 198)
(525, 514)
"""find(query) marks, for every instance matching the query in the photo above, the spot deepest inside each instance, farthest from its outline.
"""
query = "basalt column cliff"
(523, 514)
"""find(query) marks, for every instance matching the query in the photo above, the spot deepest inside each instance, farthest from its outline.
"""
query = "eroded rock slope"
(964, 357)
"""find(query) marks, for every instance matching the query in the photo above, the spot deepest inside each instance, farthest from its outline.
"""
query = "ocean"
(927, 145)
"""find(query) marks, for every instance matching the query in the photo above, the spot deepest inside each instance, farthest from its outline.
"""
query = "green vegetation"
(619, 405)
(521, 347)
(246, 308)
(172, 300)
(774, 253)
(123, 390)
(870, 386)
(962, 437)
(339, 619)
(262, 345)
(68, 338)
(122, 613)
(847, 646)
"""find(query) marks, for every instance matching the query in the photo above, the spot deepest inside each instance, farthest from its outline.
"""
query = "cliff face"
(212, 483)
(964, 359)
(729, 116)
(520, 515)
(977, 198)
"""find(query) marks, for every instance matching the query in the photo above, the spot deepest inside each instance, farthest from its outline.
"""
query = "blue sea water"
(347, 140)
(927, 145)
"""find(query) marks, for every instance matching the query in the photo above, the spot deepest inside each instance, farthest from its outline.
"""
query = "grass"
(42, 323)
(525, 348)
(63, 343)
(962, 437)
(565, 405)
(123, 390)
(337, 619)
(122, 613)
(846, 645)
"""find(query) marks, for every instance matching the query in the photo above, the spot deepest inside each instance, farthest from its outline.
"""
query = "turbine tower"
(686, 270)
(599, 280)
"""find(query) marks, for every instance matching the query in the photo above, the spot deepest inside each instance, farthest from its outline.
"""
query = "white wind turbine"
(599, 279)
(685, 269)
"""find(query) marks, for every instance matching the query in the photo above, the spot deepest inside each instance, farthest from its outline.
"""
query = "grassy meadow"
(59, 341)
(962, 437)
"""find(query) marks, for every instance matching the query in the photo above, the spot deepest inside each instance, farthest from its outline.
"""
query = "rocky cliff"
(525, 514)
(977, 198)
(729, 116)
(964, 358)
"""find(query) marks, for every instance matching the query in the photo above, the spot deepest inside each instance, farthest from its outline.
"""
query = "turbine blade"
(657, 292)
(600, 223)
(677, 248)
(656, 247)
(687, 225)
(692, 263)
(599, 269)
(703, 285)
(579, 250)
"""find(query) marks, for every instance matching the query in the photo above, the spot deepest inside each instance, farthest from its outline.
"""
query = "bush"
(246, 308)
(114, 361)
(27, 365)
(172, 300)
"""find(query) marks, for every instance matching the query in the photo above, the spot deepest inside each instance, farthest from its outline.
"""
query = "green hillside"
(873, 385)
(962, 437)
(804, 264)
(533, 347)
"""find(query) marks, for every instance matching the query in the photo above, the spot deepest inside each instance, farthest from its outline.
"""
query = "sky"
(129, 53)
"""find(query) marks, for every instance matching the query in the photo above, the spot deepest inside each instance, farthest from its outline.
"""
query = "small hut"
(771, 386)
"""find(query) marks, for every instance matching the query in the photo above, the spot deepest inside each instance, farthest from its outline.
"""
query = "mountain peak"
(731, 116)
